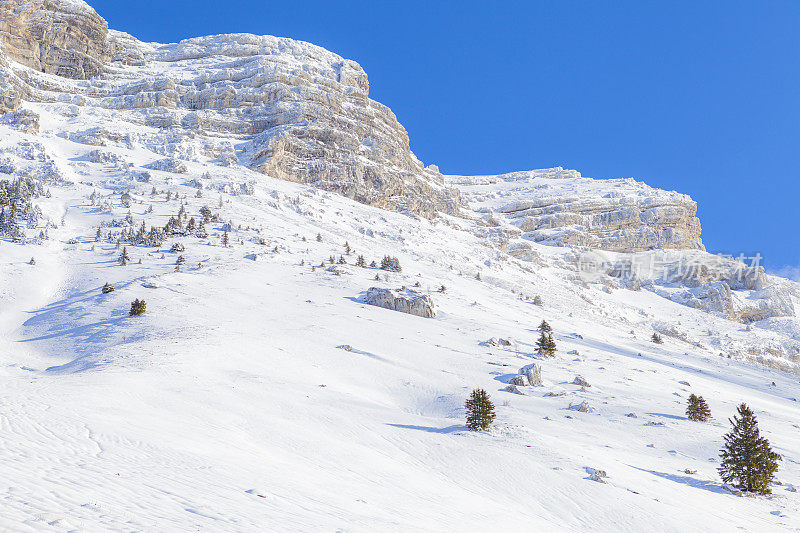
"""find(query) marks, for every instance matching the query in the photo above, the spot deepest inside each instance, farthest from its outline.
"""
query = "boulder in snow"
(532, 374)
(403, 300)
(580, 381)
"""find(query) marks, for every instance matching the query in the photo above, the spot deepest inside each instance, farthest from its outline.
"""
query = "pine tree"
(138, 307)
(697, 409)
(544, 327)
(545, 346)
(225, 239)
(747, 457)
(656, 338)
(361, 262)
(107, 288)
(124, 258)
(347, 248)
(319, 237)
(480, 410)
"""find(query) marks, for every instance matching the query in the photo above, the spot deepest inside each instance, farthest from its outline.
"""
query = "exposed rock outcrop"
(726, 286)
(62, 37)
(405, 301)
(531, 374)
(560, 207)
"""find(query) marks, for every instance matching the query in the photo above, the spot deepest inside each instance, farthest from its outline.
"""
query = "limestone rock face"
(405, 301)
(560, 207)
(62, 37)
(297, 111)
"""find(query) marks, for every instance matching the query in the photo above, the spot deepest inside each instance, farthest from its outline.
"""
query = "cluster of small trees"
(17, 210)
(392, 264)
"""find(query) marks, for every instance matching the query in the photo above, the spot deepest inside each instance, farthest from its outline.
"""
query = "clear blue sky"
(699, 97)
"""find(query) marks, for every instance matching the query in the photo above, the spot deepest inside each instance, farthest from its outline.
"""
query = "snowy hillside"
(259, 392)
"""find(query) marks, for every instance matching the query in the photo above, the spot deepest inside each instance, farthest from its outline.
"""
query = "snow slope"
(231, 406)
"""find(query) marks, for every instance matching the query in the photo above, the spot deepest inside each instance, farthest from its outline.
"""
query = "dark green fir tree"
(697, 409)
(747, 459)
(480, 410)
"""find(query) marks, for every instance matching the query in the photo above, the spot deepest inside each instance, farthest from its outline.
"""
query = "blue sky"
(699, 97)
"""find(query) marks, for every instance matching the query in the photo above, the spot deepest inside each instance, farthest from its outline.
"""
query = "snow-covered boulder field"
(194, 333)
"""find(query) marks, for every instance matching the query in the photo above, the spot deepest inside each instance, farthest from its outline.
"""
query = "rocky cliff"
(561, 207)
(62, 37)
(297, 112)
(291, 109)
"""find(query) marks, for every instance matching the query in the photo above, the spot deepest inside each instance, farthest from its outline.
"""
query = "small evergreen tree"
(341, 260)
(107, 288)
(480, 410)
(697, 409)
(361, 262)
(319, 237)
(225, 240)
(656, 338)
(545, 346)
(347, 247)
(138, 307)
(551, 345)
(124, 258)
(442, 288)
(747, 457)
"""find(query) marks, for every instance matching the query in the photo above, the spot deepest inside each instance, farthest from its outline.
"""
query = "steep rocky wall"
(561, 207)
(299, 112)
(62, 37)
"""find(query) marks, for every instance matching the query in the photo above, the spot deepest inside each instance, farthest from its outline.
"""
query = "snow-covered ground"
(230, 405)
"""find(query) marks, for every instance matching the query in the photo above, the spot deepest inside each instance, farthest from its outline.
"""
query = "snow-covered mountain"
(259, 391)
